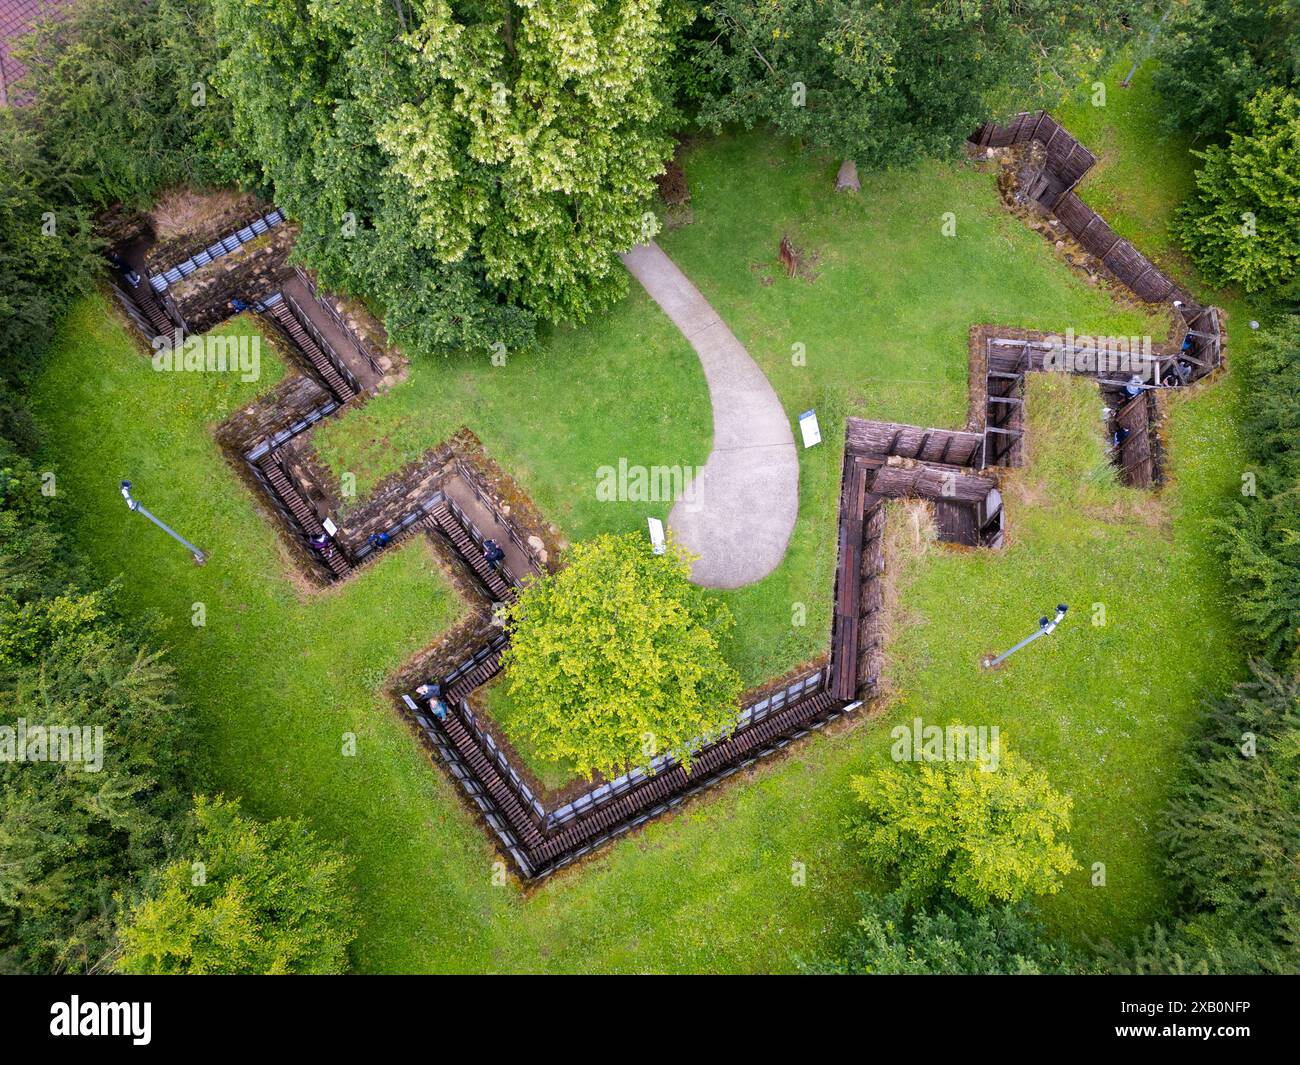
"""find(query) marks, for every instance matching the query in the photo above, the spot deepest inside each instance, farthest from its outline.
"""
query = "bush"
(895, 938)
(254, 899)
(1242, 225)
(616, 658)
(949, 826)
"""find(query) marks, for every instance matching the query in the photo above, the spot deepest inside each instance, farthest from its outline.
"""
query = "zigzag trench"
(452, 496)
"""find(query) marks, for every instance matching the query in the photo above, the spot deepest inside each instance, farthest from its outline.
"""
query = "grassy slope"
(277, 682)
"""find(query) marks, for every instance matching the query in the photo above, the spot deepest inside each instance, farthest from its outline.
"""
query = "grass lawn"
(279, 681)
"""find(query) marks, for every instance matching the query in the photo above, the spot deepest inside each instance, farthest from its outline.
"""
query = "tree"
(616, 659)
(1230, 835)
(893, 937)
(74, 832)
(122, 97)
(1234, 820)
(887, 84)
(1215, 55)
(1271, 419)
(473, 167)
(983, 836)
(1242, 225)
(47, 250)
(1260, 547)
(255, 898)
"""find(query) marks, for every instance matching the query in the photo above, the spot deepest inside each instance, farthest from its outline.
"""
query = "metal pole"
(139, 508)
(1046, 627)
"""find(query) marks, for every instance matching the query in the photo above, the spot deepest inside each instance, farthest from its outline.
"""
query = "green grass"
(278, 681)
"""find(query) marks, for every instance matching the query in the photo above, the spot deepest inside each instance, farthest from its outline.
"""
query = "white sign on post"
(657, 535)
(330, 527)
(812, 433)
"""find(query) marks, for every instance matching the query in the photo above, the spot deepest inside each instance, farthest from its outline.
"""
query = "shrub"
(983, 836)
(616, 658)
(256, 898)
(895, 938)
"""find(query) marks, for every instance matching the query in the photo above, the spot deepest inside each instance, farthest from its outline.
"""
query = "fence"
(327, 349)
(161, 280)
(471, 479)
(362, 349)
(1066, 162)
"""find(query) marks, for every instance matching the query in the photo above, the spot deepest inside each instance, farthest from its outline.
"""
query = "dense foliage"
(615, 659)
(46, 251)
(1259, 544)
(1216, 55)
(120, 91)
(254, 899)
(981, 835)
(472, 167)
(949, 938)
(1242, 226)
(1231, 836)
(74, 832)
(888, 84)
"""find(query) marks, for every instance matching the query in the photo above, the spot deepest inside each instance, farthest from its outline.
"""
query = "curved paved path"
(743, 505)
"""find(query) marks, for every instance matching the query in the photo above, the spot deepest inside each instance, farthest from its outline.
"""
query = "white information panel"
(657, 535)
(812, 433)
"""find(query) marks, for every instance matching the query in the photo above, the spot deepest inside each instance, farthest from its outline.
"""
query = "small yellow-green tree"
(983, 835)
(616, 658)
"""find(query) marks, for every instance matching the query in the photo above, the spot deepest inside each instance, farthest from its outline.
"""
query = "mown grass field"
(278, 679)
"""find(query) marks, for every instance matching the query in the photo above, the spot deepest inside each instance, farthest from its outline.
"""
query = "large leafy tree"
(951, 827)
(616, 658)
(1216, 55)
(473, 166)
(886, 84)
(255, 898)
(1242, 226)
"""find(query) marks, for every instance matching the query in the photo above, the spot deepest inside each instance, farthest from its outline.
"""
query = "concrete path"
(739, 514)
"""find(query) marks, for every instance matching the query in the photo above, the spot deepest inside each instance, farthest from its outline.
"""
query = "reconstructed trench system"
(452, 494)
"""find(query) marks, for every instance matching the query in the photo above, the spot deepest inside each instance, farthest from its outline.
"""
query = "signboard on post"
(330, 527)
(657, 540)
(812, 433)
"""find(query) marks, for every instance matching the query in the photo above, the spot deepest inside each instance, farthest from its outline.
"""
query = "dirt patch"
(182, 212)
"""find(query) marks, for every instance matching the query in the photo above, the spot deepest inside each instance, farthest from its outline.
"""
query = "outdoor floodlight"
(1046, 626)
(135, 505)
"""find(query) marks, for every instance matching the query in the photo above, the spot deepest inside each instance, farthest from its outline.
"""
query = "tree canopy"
(887, 84)
(473, 167)
(1242, 225)
(1217, 55)
(616, 658)
(949, 826)
(255, 898)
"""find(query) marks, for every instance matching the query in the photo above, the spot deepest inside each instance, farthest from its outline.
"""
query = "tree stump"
(847, 179)
(789, 256)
